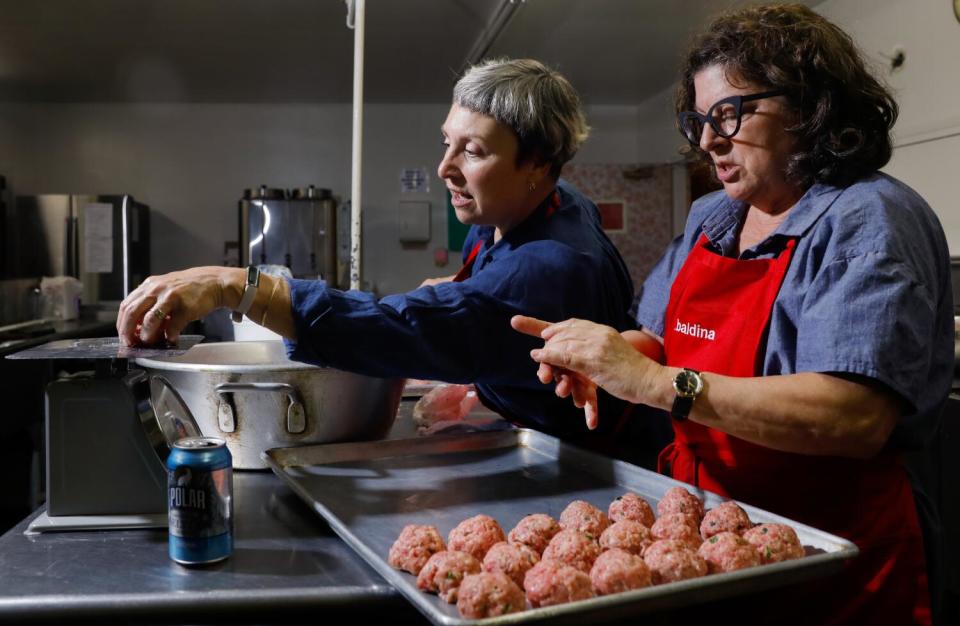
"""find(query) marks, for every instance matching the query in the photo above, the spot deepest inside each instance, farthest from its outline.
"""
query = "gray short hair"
(537, 103)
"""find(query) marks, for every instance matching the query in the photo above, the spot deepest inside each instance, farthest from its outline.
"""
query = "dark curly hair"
(844, 113)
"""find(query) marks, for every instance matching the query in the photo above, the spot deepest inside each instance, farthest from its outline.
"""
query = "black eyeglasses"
(723, 117)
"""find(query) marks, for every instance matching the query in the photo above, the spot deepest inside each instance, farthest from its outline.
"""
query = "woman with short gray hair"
(537, 103)
(535, 247)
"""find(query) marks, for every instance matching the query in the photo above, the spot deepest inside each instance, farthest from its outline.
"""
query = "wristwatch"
(688, 384)
(249, 293)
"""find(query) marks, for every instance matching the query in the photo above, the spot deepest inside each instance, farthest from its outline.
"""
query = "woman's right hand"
(162, 306)
(582, 355)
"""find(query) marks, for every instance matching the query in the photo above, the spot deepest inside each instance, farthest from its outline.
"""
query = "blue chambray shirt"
(553, 267)
(868, 290)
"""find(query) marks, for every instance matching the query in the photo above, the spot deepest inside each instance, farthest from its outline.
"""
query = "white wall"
(191, 163)
(927, 87)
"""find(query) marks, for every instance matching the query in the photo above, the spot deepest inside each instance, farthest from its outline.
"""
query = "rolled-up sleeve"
(869, 315)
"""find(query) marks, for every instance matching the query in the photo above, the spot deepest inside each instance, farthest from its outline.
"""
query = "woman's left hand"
(599, 354)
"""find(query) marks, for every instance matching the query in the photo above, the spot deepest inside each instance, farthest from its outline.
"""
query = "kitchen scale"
(108, 434)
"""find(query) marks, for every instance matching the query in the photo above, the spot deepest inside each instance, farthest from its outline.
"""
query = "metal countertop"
(286, 559)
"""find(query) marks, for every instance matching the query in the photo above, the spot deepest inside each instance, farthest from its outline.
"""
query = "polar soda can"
(200, 500)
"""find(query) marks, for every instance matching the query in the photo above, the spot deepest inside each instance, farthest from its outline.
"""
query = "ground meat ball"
(727, 552)
(678, 526)
(617, 570)
(679, 500)
(444, 572)
(512, 559)
(550, 582)
(535, 531)
(775, 542)
(583, 516)
(633, 507)
(414, 547)
(573, 547)
(725, 517)
(475, 536)
(670, 560)
(489, 595)
(627, 535)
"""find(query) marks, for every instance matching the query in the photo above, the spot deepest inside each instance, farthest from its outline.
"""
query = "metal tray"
(369, 491)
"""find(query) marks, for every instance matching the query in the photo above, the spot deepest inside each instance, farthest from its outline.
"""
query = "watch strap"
(249, 294)
(682, 405)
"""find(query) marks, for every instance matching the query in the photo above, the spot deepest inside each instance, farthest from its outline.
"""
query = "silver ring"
(159, 314)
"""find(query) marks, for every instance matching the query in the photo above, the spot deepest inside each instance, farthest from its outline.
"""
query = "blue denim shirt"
(555, 265)
(868, 290)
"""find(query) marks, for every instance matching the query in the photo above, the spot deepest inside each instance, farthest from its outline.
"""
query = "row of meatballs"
(587, 553)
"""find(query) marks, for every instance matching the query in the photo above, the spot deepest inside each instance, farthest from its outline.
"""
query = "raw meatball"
(670, 560)
(725, 517)
(775, 542)
(633, 507)
(414, 547)
(550, 582)
(628, 535)
(617, 570)
(475, 536)
(583, 516)
(444, 572)
(489, 595)
(573, 547)
(512, 559)
(678, 526)
(727, 552)
(535, 531)
(679, 500)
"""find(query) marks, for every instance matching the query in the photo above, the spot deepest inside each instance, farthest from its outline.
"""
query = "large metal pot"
(250, 394)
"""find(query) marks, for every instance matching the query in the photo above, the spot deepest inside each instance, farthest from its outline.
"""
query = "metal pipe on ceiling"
(501, 19)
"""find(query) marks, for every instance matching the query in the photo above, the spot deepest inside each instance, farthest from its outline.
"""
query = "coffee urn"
(295, 228)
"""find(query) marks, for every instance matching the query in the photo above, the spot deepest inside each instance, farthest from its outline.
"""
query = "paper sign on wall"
(98, 237)
(414, 180)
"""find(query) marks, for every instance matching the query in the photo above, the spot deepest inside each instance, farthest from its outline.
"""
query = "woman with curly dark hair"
(800, 328)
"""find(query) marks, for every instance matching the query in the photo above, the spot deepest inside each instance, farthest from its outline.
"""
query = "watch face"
(687, 383)
(253, 275)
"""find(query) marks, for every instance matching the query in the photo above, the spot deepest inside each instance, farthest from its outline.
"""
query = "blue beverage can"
(200, 500)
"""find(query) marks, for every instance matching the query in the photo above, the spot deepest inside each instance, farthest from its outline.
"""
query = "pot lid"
(164, 415)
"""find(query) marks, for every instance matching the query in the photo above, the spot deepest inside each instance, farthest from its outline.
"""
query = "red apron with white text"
(717, 321)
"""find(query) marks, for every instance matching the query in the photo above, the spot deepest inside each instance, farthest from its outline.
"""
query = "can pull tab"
(226, 414)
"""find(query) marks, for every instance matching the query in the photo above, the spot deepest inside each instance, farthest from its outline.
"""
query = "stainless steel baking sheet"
(369, 491)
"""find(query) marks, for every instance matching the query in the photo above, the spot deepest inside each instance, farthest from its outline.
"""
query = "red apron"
(717, 321)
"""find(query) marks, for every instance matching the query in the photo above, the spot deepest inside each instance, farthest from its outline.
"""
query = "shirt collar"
(728, 216)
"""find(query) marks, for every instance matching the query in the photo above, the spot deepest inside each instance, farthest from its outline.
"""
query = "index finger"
(529, 325)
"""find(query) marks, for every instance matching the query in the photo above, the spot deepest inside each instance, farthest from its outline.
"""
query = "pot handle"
(296, 415)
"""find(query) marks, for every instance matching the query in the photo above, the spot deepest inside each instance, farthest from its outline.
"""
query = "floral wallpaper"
(646, 193)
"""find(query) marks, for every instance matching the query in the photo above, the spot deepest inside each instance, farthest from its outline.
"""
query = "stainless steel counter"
(286, 561)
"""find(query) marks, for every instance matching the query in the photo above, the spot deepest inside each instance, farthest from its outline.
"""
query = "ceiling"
(613, 51)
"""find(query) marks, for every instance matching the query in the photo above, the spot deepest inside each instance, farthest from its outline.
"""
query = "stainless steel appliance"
(104, 241)
(296, 229)
(108, 432)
